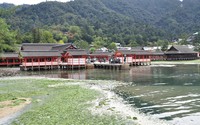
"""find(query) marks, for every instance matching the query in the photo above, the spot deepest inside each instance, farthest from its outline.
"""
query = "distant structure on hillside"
(192, 37)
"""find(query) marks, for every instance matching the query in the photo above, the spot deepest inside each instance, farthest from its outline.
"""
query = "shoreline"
(6, 72)
(115, 105)
(10, 71)
(111, 103)
(8, 113)
(183, 62)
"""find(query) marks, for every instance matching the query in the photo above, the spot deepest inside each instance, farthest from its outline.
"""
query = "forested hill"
(124, 21)
(6, 5)
(89, 15)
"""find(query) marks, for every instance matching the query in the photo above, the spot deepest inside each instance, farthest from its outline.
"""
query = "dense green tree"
(74, 33)
(7, 37)
(46, 37)
(133, 43)
(112, 46)
(75, 30)
(60, 42)
(165, 45)
(129, 22)
(82, 44)
(92, 49)
(36, 34)
(58, 36)
(99, 42)
(27, 38)
(196, 42)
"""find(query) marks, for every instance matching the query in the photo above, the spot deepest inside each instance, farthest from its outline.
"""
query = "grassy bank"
(177, 62)
(54, 102)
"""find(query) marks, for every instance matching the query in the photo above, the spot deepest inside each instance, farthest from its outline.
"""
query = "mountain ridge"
(119, 20)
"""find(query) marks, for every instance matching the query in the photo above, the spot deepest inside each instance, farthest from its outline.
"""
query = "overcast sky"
(20, 2)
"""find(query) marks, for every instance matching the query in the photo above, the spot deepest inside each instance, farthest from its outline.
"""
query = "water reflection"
(166, 92)
(170, 93)
(74, 75)
(163, 102)
(67, 74)
(144, 75)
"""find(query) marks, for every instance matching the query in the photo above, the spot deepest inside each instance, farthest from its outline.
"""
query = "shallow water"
(170, 92)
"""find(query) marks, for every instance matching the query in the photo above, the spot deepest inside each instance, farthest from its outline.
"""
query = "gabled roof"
(100, 53)
(138, 52)
(63, 47)
(138, 48)
(45, 46)
(37, 46)
(9, 55)
(157, 52)
(40, 54)
(126, 52)
(77, 52)
(179, 49)
(142, 52)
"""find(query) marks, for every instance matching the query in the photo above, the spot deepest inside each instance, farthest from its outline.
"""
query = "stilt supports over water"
(140, 63)
(51, 67)
(119, 66)
(111, 66)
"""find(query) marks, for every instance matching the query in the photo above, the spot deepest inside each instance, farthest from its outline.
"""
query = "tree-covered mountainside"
(130, 22)
(185, 18)
(6, 5)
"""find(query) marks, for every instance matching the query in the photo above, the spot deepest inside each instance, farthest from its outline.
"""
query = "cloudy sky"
(19, 2)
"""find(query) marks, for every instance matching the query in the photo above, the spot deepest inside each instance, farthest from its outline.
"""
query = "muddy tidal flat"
(58, 101)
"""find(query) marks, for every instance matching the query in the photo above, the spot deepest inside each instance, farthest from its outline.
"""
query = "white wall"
(77, 61)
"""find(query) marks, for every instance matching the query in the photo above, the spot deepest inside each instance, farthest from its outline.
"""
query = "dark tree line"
(103, 22)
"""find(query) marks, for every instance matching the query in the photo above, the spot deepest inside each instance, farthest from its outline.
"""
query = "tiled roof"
(126, 52)
(37, 46)
(157, 52)
(61, 47)
(176, 49)
(44, 46)
(139, 48)
(141, 52)
(77, 52)
(40, 53)
(9, 55)
(97, 53)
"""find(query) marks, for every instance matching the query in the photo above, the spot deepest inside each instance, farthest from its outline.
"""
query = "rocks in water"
(8, 72)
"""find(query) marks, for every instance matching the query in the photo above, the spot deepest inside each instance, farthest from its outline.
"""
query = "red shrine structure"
(67, 56)
(50, 56)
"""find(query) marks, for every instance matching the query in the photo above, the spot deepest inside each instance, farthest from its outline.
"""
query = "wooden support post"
(143, 58)
(51, 62)
(85, 61)
(79, 62)
(45, 63)
(72, 62)
(39, 63)
(135, 59)
(6, 62)
(25, 62)
(13, 61)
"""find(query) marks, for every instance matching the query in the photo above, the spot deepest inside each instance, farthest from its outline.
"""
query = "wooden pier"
(140, 63)
(40, 66)
(121, 66)
(50, 66)
(99, 65)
